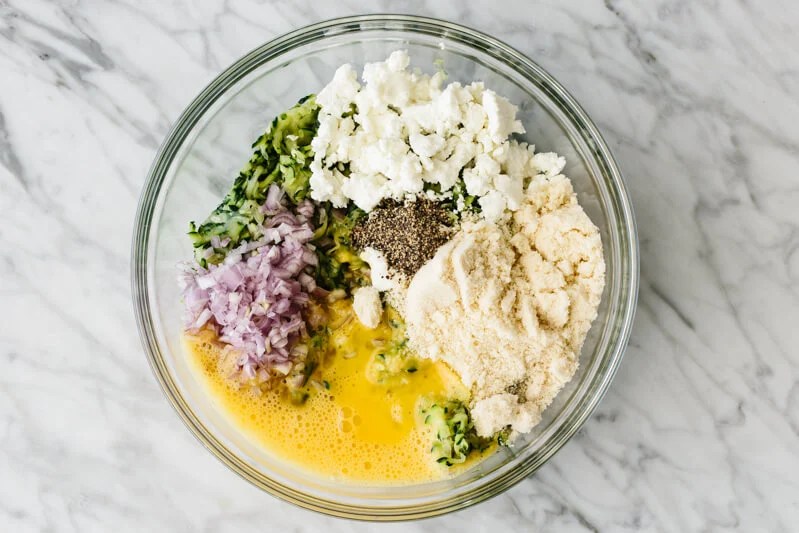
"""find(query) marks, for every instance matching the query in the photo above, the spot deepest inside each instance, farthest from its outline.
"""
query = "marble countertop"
(698, 101)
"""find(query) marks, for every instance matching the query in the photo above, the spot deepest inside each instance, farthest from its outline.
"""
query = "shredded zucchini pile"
(339, 264)
(282, 156)
(455, 436)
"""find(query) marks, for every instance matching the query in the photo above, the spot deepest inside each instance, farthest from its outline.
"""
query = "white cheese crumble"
(400, 131)
(367, 306)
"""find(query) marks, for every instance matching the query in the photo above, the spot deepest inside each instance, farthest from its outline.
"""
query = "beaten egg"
(359, 423)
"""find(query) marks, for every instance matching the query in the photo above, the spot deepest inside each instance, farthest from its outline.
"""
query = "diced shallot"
(255, 297)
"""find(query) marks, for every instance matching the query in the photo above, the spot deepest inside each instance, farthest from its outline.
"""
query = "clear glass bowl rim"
(624, 223)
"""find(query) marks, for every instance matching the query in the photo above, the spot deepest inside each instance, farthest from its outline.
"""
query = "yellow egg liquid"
(353, 427)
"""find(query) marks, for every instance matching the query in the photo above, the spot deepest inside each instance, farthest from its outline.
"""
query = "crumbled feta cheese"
(337, 95)
(478, 179)
(409, 132)
(492, 205)
(501, 116)
(477, 183)
(517, 160)
(367, 306)
(365, 190)
(512, 190)
(549, 163)
(327, 185)
(426, 145)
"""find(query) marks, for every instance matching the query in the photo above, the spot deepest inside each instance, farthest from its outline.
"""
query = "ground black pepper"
(408, 234)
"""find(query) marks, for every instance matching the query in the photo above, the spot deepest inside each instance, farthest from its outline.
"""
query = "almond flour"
(508, 306)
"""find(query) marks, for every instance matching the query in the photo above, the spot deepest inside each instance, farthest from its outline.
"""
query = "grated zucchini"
(282, 155)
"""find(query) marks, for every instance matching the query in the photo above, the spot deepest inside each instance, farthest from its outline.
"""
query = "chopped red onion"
(255, 297)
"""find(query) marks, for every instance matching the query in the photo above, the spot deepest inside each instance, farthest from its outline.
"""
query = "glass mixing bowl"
(211, 141)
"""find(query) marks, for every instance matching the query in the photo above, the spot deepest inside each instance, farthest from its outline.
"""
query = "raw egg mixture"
(362, 422)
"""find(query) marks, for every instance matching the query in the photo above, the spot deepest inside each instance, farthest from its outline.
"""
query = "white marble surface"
(698, 99)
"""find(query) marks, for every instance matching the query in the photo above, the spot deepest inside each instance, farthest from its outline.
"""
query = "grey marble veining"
(697, 99)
